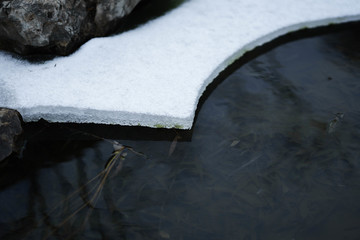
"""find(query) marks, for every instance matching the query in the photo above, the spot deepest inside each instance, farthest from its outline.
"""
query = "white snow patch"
(154, 75)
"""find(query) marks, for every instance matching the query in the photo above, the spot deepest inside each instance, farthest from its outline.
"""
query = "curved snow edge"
(266, 39)
(161, 121)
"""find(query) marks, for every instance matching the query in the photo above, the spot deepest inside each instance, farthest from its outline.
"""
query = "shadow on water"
(273, 154)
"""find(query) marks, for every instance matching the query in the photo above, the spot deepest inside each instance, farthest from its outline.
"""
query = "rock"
(108, 11)
(10, 131)
(57, 27)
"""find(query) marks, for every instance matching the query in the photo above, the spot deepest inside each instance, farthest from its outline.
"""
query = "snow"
(155, 74)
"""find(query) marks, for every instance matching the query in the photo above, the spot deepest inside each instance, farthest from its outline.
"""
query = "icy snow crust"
(154, 75)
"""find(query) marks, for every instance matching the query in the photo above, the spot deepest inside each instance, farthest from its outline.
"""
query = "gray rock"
(10, 131)
(58, 27)
(108, 11)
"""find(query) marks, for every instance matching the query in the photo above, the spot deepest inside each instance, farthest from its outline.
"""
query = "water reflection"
(259, 164)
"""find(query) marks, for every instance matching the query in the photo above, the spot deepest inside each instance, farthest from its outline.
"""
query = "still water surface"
(274, 154)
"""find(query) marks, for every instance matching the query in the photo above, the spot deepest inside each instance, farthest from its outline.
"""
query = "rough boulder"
(57, 26)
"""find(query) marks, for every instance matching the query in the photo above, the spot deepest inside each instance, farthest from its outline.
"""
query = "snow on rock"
(154, 75)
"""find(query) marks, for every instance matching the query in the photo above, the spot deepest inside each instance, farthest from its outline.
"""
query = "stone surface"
(10, 131)
(32, 26)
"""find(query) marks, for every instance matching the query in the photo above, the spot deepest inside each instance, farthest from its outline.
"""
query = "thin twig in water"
(245, 164)
(118, 156)
(173, 144)
(333, 123)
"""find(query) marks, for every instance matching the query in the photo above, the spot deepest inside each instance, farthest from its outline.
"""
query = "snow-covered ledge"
(154, 75)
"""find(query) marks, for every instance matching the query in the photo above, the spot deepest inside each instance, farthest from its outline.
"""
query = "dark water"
(268, 158)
